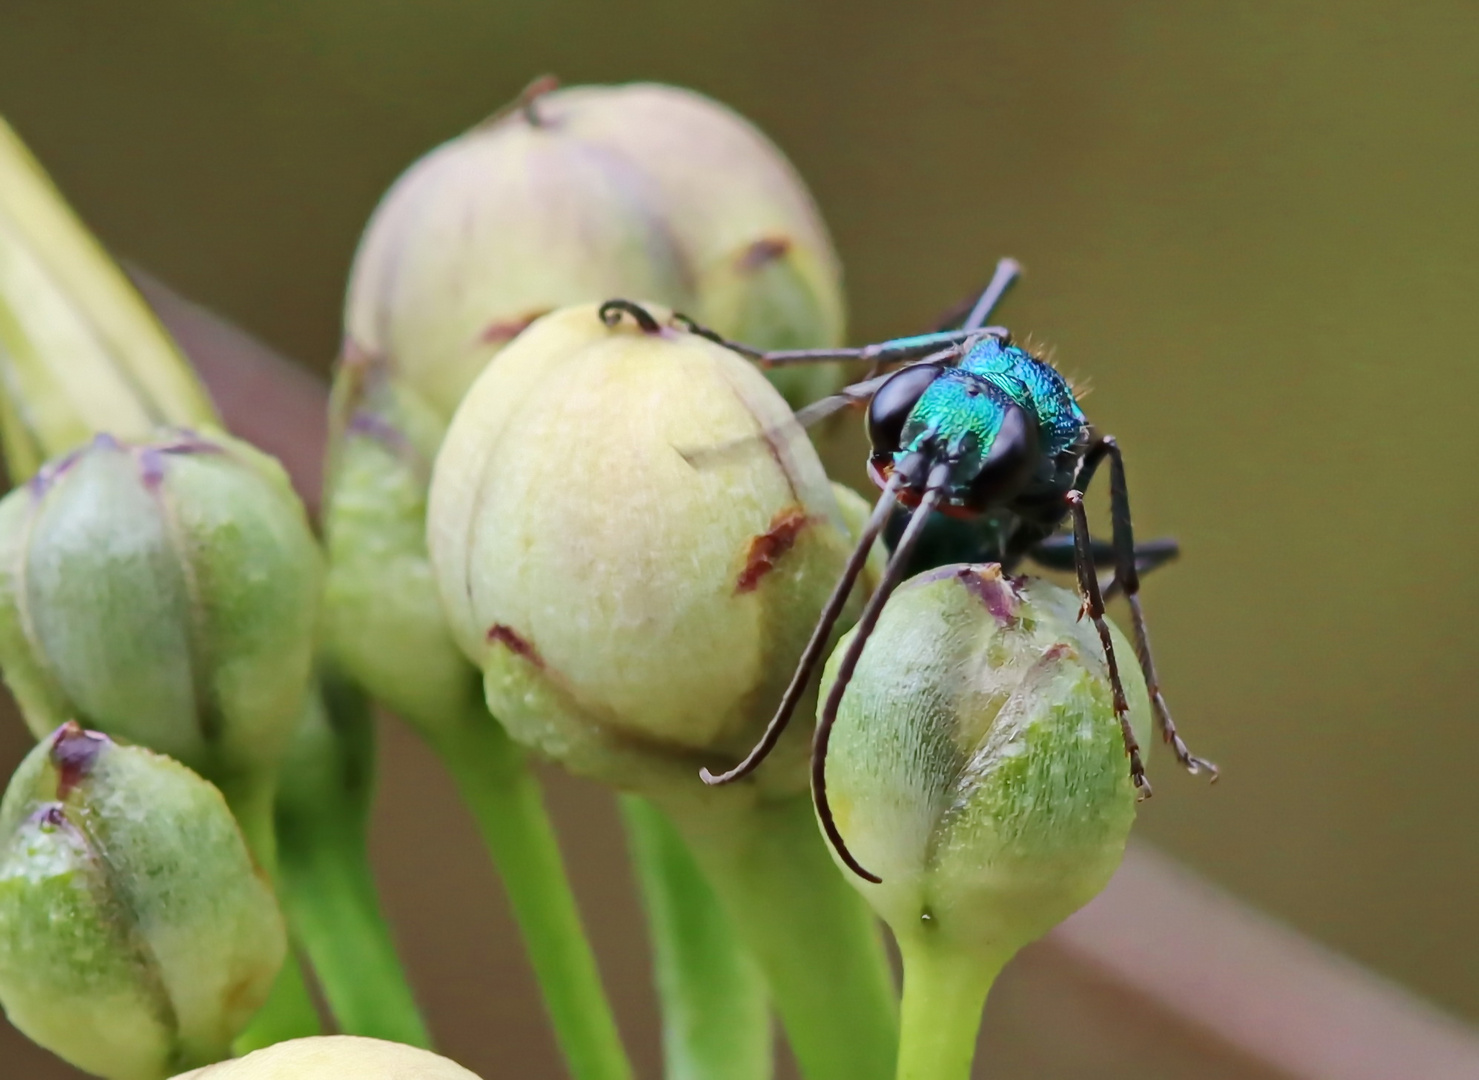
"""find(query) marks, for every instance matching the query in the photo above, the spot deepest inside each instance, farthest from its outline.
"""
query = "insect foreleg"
(1088, 583)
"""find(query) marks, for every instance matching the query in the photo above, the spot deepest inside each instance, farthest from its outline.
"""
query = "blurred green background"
(1254, 228)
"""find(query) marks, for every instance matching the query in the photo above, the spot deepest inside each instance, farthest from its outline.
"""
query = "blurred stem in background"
(327, 884)
(81, 354)
(715, 1010)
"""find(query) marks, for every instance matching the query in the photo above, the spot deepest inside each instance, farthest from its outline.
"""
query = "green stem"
(815, 939)
(333, 908)
(944, 992)
(508, 805)
(326, 883)
(289, 1012)
(715, 1011)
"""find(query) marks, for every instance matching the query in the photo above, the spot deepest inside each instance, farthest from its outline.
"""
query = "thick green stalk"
(334, 911)
(326, 882)
(508, 805)
(715, 1010)
(944, 992)
(289, 1012)
(80, 351)
(817, 943)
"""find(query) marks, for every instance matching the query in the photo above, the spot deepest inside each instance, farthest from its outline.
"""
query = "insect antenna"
(939, 475)
(1007, 271)
(819, 637)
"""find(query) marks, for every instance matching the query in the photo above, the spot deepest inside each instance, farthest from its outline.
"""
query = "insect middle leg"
(1088, 583)
(1127, 575)
(1057, 553)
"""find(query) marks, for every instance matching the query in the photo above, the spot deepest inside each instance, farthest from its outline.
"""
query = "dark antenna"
(939, 476)
(1007, 271)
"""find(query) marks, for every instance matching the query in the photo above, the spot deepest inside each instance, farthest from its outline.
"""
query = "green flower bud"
(637, 604)
(765, 271)
(165, 592)
(977, 766)
(634, 611)
(579, 195)
(335, 1057)
(490, 231)
(80, 351)
(383, 619)
(137, 937)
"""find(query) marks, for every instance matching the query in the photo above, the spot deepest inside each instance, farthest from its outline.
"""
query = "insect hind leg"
(1127, 574)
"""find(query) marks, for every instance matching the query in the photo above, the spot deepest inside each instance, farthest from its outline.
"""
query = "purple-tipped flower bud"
(165, 592)
(137, 937)
(977, 765)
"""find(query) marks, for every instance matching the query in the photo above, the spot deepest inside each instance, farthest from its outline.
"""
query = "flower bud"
(136, 936)
(335, 1057)
(490, 231)
(582, 194)
(383, 619)
(765, 271)
(165, 592)
(977, 764)
(636, 606)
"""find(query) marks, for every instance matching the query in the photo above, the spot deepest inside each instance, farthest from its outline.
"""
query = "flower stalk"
(715, 1008)
(325, 879)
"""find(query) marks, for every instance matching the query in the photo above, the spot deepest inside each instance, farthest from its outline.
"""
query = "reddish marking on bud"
(73, 752)
(763, 252)
(496, 333)
(765, 550)
(994, 591)
(516, 642)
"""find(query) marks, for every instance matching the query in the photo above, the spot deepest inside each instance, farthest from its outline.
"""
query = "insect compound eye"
(1010, 462)
(895, 400)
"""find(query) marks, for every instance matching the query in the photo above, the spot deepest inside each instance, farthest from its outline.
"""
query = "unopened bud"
(635, 600)
(137, 937)
(765, 269)
(579, 195)
(165, 592)
(383, 619)
(977, 765)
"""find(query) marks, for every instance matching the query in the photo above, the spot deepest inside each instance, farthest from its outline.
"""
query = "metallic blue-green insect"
(993, 439)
